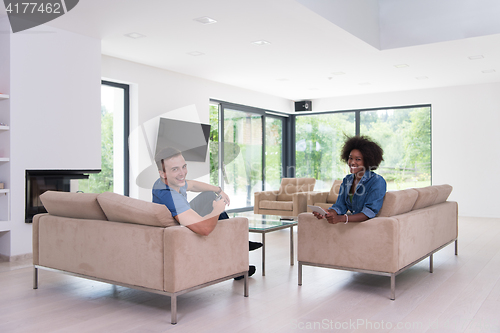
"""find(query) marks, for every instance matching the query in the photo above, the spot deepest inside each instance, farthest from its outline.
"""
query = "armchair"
(325, 199)
(289, 200)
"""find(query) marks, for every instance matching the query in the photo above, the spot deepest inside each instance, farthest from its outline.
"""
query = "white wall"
(465, 138)
(156, 92)
(55, 112)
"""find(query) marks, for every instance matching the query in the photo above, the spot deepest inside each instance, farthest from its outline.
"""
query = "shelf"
(4, 128)
(4, 159)
(4, 191)
(4, 225)
(4, 96)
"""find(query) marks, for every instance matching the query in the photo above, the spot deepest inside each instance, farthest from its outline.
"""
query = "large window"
(114, 142)
(319, 139)
(258, 152)
(403, 133)
(405, 136)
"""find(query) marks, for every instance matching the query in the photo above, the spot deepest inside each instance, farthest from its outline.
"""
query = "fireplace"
(39, 181)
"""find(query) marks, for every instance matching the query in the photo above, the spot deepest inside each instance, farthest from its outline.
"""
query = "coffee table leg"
(291, 246)
(263, 254)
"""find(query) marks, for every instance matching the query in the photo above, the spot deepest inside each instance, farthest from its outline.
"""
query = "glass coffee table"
(262, 224)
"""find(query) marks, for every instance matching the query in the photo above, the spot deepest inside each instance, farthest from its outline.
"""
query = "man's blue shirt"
(175, 201)
(367, 199)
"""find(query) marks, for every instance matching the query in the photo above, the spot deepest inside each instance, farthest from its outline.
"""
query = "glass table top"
(265, 222)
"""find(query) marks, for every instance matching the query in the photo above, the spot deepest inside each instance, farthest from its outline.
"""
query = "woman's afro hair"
(371, 151)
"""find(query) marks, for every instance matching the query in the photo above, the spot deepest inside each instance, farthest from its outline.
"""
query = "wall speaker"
(303, 106)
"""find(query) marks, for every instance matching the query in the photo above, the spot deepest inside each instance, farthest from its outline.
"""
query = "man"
(202, 213)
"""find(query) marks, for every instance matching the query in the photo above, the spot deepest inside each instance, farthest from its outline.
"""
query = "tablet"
(317, 209)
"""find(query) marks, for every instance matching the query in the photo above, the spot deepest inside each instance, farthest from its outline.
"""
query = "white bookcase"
(4, 160)
(5, 140)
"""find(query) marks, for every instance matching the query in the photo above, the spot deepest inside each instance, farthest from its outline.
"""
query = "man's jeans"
(203, 204)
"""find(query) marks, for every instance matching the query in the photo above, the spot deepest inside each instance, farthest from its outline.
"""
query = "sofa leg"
(35, 277)
(245, 284)
(456, 247)
(393, 287)
(300, 273)
(173, 309)
(431, 263)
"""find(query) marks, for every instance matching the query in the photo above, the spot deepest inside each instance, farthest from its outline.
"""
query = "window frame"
(126, 131)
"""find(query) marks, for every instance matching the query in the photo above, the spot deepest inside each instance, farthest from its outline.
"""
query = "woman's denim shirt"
(367, 199)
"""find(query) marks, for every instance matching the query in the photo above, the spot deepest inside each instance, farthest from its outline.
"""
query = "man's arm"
(202, 225)
(196, 186)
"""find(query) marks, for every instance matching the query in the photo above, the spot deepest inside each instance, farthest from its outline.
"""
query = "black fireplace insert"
(39, 181)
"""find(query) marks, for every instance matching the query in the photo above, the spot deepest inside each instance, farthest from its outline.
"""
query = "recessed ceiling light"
(401, 66)
(205, 20)
(196, 53)
(476, 57)
(134, 35)
(283, 79)
(421, 77)
(364, 83)
(338, 73)
(261, 42)
(489, 71)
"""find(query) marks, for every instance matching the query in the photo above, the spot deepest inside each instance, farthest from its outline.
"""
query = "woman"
(362, 191)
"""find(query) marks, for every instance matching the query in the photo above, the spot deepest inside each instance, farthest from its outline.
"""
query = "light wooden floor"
(462, 295)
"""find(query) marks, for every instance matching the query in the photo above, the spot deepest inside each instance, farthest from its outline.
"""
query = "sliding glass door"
(244, 129)
(247, 143)
(273, 167)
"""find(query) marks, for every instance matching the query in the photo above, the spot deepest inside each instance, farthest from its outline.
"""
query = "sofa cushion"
(431, 195)
(398, 202)
(334, 192)
(74, 205)
(290, 186)
(276, 205)
(120, 208)
(426, 197)
(444, 192)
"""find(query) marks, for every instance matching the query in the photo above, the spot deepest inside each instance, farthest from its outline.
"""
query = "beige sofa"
(289, 200)
(411, 226)
(134, 243)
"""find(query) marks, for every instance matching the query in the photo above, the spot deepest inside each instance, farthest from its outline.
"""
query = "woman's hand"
(318, 215)
(332, 217)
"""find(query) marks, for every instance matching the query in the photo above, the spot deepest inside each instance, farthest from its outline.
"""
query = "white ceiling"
(306, 51)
